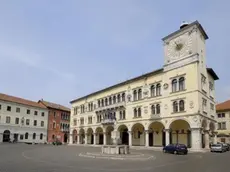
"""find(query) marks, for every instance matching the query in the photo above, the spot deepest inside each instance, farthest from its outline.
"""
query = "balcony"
(156, 116)
(113, 106)
(108, 121)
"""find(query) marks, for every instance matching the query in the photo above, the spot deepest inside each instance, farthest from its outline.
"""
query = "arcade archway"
(6, 136)
(90, 136)
(100, 136)
(124, 135)
(156, 134)
(138, 137)
(82, 136)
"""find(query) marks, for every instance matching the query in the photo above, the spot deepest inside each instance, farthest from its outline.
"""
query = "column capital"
(146, 131)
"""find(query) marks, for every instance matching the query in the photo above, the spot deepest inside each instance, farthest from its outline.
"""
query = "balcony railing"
(156, 116)
(111, 106)
(108, 121)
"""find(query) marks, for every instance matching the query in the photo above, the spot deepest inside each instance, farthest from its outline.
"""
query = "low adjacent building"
(58, 121)
(22, 120)
(223, 121)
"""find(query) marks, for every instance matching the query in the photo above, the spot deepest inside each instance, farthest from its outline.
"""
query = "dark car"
(176, 149)
(57, 142)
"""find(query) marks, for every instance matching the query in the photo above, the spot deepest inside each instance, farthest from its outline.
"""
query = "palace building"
(173, 104)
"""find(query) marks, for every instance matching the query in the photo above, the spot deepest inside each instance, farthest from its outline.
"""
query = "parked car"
(57, 142)
(175, 148)
(226, 146)
(218, 148)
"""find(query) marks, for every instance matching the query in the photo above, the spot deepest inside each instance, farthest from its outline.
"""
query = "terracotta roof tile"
(223, 106)
(54, 105)
(18, 100)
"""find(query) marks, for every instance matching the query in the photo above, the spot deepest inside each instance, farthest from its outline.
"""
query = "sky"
(61, 50)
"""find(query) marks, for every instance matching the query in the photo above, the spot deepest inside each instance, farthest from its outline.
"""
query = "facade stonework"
(174, 104)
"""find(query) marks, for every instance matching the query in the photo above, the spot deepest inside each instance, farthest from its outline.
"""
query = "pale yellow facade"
(223, 126)
(170, 105)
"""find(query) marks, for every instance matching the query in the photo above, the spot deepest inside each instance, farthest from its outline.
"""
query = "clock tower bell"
(184, 46)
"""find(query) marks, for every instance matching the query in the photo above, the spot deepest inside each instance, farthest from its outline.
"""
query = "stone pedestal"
(115, 149)
(115, 136)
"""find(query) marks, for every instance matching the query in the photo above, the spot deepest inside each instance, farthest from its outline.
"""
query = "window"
(16, 120)
(90, 120)
(174, 85)
(152, 90)
(41, 136)
(135, 113)
(28, 111)
(102, 103)
(0, 107)
(181, 84)
(54, 114)
(139, 94)
(18, 110)
(134, 95)
(118, 98)
(54, 125)
(212, 106)
(26, 136)
(181, 105)
(110, 100)
(221, 115)
(34, 136)
(75, 122)
(27, 122)
(43, 113)
(158, 109)
(175, 106)
(204, 105)
(42, 123)
(35, 112)
(203, 82)
(53, 136)
(82, 121)
(9, 108)
(35, 122)
(98, 103)
(158, 90)
(8, 119)
(21, 137)
(114, 99)
(139, 112)
(123, 97)
(106, 102)
(153, 111)
(122, 115)
(221, 125)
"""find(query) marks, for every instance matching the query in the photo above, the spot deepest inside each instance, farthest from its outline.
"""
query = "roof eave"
(212, 73)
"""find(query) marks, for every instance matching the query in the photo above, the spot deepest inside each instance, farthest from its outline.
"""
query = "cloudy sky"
(60, 50)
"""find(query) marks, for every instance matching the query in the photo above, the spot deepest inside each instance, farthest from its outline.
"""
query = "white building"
(22, 120)
(174, 104)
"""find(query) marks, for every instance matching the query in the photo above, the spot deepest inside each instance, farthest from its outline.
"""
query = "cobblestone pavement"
(49, 158)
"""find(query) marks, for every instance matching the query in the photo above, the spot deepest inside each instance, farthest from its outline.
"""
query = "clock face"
(179, 47)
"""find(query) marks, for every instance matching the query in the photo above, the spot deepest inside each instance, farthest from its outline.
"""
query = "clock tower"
(184, 46)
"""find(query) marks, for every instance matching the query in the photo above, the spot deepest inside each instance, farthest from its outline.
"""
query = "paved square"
(49, 158)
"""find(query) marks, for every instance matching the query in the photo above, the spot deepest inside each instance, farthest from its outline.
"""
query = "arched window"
(153, 110)
(134, 95)
(106, 101)
(135, 112)
(120, 114)
(26, 136)
(158, 90)
(174, 85)
(34, 136)
(53, 136)
(41, 136)
(118, 98)
(139, 94)
(181, 84)
(175, 106)
(158, 109)
(110, 100)
(102, 103)
(99, 103)
(123, 114)
(153, 91)
(139, 112)
(114, 99)
(181, 105)
(123, 97)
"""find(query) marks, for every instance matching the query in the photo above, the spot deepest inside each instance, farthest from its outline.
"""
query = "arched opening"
(90, 136)
(138, 137)
(65, 138)
(26, 135)
(6, 136)
(74, 136)
(100, 136)
(82, 136)
(124, 135)
(156, 134)
(180, 133)
(109, 140)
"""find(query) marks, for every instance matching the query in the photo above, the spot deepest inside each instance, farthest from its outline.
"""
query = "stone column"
(86, 139)
(78, 139)
(196, 139)
(166, 137)
(130, 138)
(147, 138)
(105, 138)
(206, 137)
(70, 139)
(94, 138)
